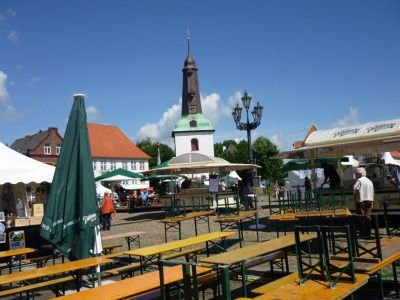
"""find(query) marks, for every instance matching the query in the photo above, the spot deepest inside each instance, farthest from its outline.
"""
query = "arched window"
(195, 144)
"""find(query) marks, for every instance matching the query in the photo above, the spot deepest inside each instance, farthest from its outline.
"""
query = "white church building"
(192, 132)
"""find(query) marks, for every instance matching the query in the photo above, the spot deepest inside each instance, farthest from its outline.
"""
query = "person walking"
(106, 210)
(363, 194)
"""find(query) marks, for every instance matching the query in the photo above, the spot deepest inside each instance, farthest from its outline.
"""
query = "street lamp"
(248, 126)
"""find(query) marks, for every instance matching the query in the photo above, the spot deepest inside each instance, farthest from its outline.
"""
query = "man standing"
(106, 209)
(363, 194)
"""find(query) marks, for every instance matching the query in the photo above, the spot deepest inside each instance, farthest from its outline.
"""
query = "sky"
(328, 63)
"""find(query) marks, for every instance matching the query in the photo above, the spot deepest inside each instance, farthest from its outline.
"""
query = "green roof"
(192, 122)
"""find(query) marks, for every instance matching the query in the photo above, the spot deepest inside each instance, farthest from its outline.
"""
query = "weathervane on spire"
(188, 36)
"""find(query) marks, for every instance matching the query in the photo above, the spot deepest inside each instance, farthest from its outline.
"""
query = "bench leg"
(258, 238)
(195, 226)
(240, 230)
(380, 283)
(396, 282)
(244, 278)
(165, 232)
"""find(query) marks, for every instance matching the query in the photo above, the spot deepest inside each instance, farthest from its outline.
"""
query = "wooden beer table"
(150, 253)
(238, 257)
(18, 253)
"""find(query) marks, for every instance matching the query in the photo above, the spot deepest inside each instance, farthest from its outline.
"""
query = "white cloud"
(12, 36)
(161, 131)
(235, 98)
(3, 89)
(9, 113)
(7, 110)
(213, 109)
(281, 141)
(92, 113)
(348, 120)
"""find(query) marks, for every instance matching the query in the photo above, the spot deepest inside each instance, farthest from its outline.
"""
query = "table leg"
(226, 286)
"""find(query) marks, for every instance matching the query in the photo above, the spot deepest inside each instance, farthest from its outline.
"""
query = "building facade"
(44, 146)
(192, 132)
(112, 149)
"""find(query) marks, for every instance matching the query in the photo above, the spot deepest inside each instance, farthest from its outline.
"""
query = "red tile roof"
(109, 141)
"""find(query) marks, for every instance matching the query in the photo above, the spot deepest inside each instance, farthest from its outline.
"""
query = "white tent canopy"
(389, 160)
(101, 189)
(234, 175)
(374, 137)
(15, 168)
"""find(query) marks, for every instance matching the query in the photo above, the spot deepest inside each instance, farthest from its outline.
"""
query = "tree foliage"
(263, 149)
(271, 169)
(150, 148)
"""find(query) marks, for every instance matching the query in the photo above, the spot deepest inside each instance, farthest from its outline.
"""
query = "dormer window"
(47, 149)
(193, 123)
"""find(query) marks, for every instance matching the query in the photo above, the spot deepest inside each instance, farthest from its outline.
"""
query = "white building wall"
(133, 165)
(183, 142)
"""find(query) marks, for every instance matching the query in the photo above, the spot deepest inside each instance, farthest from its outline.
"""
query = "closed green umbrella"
(71, 217)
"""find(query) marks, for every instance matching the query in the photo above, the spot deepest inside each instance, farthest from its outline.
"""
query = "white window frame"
(133, 165)
(58, 150)
(125, 165)
(103, 165)
(113, 165)
(94, 165)
(47, 149)
(141, 165)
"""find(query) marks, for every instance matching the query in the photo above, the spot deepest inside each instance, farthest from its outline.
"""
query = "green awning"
(118, 175)
(305, 164)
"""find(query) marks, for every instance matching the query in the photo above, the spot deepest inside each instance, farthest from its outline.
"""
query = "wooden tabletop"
(312, 289)
(133, 286)
(165, 247)
(14, 252)
(54, 269)
(242, 254)
(122, 235)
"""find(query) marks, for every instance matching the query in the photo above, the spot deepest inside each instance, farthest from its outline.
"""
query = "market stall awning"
(191, 163)
(376, 137)
(118, 175)
(134, 186)
(16, 167)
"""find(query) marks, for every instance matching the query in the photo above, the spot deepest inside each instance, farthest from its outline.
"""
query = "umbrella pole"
(98, 275)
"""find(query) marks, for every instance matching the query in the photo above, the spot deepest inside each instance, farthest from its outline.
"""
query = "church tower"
(192, 132)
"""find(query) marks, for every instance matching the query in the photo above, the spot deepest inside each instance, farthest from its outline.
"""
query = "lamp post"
(248, 126)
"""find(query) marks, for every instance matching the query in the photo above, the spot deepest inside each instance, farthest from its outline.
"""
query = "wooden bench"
(175, 222)
(134, 286)
(125, 271)
(228, 221)
(187, 253)
(107, 249)
(40, 261)
(288, 287)
(31, 287)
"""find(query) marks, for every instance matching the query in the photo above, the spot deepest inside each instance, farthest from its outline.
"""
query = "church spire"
(191, 103)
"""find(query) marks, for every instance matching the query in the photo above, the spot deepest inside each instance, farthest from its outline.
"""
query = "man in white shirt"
(363, 194)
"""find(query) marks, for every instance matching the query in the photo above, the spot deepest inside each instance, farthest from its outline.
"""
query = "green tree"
(271, 169)
(150, 148)
(232, 151)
